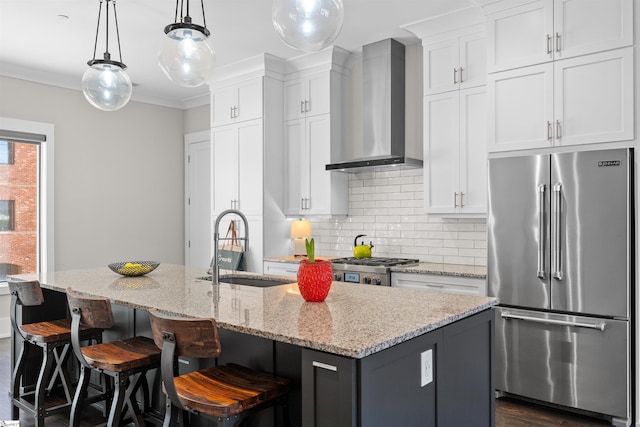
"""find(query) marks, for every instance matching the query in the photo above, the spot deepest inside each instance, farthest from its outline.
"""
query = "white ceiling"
(36, 44)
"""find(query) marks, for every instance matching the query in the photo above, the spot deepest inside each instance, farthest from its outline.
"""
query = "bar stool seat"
(227, 393)
(54, 339)
(125, 361)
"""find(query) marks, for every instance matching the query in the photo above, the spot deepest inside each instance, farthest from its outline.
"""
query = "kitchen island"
(367, 356)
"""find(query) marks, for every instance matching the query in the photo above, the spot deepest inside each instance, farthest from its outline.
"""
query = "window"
(7, 214)
(6, 153)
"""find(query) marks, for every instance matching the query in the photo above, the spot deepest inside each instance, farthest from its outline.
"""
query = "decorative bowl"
(133, 268)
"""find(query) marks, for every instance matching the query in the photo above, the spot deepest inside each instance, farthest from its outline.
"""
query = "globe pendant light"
(105, 84)
(308, 25)
(185, 55)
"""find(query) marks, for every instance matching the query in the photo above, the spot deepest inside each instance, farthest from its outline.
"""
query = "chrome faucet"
(216, 239)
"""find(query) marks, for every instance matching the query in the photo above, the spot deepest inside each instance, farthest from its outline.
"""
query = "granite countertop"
(354, 321)
(473, 271)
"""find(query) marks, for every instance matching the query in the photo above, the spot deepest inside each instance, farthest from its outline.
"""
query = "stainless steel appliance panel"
(518, 261)
(582, 366)
(590, 237)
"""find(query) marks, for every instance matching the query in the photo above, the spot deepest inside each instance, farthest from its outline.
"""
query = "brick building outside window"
(18, 208)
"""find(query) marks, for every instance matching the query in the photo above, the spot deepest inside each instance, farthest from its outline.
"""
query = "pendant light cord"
(95, 44)
(204, 20)
(115, 15)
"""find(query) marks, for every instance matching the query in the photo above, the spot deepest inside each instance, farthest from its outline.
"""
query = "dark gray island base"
(366, 357)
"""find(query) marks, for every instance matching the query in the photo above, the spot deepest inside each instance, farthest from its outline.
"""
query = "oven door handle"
(598, 325)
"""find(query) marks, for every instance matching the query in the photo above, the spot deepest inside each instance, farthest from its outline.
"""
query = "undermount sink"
(259, 282)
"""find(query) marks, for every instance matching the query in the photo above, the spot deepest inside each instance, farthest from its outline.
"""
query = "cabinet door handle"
(557, 42)
(325, 366)
(235, 112)
(302, 107)
(301, 203)
(558, 130)
(455, 79)
(549, 44)
(231, 112)
(306, 105)
(308, 203)
(461, 80)
(455, 200)
(549, 131)
(461, 199)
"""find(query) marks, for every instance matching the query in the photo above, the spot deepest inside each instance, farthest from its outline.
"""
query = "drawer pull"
(325, 366)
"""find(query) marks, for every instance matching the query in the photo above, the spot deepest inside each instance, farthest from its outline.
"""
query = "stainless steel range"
(370, 271)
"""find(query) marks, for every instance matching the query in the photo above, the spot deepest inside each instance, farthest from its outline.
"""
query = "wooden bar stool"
(126, 361)
(227, 393)
(54, 339)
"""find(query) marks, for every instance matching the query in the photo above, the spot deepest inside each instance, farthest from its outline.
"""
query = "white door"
(520, 36)
(521, 108)
(200, 237)
(583, 27)
(225, 167)
(473, 151)
(594, 98)
(441, 148)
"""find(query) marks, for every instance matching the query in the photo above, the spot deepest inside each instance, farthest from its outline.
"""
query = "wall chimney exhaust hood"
(383, 80)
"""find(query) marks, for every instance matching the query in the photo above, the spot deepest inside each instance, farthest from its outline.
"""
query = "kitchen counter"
(354, 321)
(291, 258)
(461, 270)
(342, 355)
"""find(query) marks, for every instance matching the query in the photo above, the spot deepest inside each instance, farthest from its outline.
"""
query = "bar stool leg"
(120, 382)
(81, 390)
(171, 415)
(41, 385)
(16, 379)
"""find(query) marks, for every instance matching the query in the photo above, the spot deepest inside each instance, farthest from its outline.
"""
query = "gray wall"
(119, 176)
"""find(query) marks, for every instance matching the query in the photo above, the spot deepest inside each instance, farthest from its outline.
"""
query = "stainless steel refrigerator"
(561, 261)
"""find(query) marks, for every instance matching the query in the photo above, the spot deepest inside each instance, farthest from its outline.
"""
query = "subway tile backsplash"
(388, 206)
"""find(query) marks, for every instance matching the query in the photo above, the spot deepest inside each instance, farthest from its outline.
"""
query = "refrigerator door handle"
(556, 267)
(541, 190)
(598, 325)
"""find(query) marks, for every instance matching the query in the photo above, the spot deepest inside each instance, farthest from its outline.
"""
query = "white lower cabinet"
(277, 268)
(440, 283)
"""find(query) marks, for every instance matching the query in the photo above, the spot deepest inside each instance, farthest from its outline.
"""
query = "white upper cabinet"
(520, 108)
(311, 189)
(237, 166)
(238, 102)
(315, 130)
(582, 100)
(455, 148)
(307, 96)
(546, 30)
(452, 64)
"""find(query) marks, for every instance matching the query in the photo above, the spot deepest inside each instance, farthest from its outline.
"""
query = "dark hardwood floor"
(509, 412)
